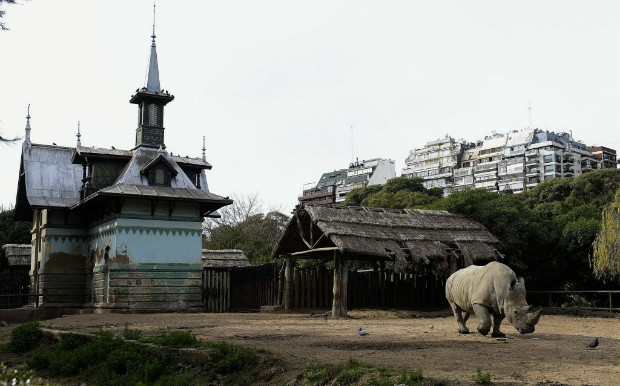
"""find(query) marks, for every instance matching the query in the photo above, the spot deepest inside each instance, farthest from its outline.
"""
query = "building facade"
(117, 229)
(435, 163)
(334, 186)
(605, 155)
(505, 162)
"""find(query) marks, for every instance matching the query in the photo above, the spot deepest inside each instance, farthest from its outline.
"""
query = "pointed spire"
(152, 83)
(204, 156)
(27, 138)
(79, 143)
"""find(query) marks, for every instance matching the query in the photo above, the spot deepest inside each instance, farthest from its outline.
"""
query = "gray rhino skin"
(490, 290)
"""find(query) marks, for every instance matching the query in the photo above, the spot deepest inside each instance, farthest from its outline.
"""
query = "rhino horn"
(533, 317)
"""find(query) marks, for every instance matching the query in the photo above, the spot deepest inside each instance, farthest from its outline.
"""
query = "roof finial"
(152, 83)
(153, 36)
(79, 143)
(204, 156)
(27, 139)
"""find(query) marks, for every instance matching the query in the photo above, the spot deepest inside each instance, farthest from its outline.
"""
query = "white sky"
(275, 85)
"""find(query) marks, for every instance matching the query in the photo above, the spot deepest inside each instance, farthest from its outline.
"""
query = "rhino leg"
(459, 318)
(482, 313)
(497, 321)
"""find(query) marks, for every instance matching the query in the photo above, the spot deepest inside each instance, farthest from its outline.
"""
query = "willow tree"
(606, 253)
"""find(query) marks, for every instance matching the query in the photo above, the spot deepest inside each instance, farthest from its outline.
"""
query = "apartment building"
(435, 162)
(365, 173)
(605, 155)
(334, 186)
(506, 162)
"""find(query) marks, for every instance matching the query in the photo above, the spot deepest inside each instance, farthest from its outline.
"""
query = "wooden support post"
(611, 305)
(341, 278)
(288, 283)
(297, 294)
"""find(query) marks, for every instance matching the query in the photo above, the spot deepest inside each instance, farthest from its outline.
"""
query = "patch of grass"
(130, 334)
(109, 360)
(175, 339)
(104, 360)
(354, 372)
(341, 373)
(481, 379)
(25, 337)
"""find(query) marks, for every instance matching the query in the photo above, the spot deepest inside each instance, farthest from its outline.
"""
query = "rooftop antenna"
(79, 143)
(27, 139)
(204, 156)
(529, 107)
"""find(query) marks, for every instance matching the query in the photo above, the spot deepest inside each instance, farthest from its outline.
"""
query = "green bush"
(175, 339)
(25, 337)
(482, 379)
(130, 334)
(17, 377)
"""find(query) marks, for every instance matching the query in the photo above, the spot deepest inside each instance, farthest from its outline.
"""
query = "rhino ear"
(513, 282)
(521, 281)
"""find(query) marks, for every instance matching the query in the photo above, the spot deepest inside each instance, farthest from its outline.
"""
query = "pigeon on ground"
(362, 332)
(593, 344)
(325, 317)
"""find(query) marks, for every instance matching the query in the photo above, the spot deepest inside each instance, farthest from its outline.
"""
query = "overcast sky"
(276, 85)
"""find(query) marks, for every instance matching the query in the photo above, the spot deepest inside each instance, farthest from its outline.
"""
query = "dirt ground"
(555, 354)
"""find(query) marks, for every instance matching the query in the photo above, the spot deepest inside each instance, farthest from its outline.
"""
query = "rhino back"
(479, 285)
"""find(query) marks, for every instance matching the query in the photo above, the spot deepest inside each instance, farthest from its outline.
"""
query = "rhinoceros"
(490, 290)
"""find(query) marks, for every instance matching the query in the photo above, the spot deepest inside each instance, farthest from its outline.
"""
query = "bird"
(54, 143)
(325, 317)
(593, 344)
(362, 332)
(113, 148)
(431, 326)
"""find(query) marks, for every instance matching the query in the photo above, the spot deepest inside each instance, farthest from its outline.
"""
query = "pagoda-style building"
(117, 229)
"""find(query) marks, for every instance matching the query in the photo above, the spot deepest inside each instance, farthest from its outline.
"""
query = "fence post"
(288, 283)
(550, 302)
(611, 307)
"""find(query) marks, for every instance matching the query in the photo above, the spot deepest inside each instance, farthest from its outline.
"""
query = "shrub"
(482, 379)
(25, 336)
(130, 334)
(175, 339)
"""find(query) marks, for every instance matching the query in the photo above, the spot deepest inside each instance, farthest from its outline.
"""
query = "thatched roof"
(224, 258)
(404, 235)
(17, 254)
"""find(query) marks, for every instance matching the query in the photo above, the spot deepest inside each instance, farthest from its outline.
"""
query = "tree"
(606, 252)
(3, 26)
(243, 226)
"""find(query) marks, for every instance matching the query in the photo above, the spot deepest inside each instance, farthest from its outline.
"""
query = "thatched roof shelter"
(402, 235)
(224, 258)
(17, 254)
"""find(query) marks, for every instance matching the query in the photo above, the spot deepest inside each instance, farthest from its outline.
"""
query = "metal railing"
(583, 300)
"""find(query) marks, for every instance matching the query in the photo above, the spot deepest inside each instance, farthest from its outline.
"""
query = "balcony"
(463, 172)
(483, 168)
(532, 172)
(485, 184)
(531, 153)
(531, 162)
(533, 182)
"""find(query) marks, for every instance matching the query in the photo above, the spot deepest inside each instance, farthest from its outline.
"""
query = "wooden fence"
(312, 288)
(249, 288)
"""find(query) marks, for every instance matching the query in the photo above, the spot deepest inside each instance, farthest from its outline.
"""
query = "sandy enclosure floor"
(555, 354)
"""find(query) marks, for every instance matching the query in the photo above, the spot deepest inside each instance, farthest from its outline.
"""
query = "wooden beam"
(341, 277)
(317, 241)
(301, 233)
(316, 250)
